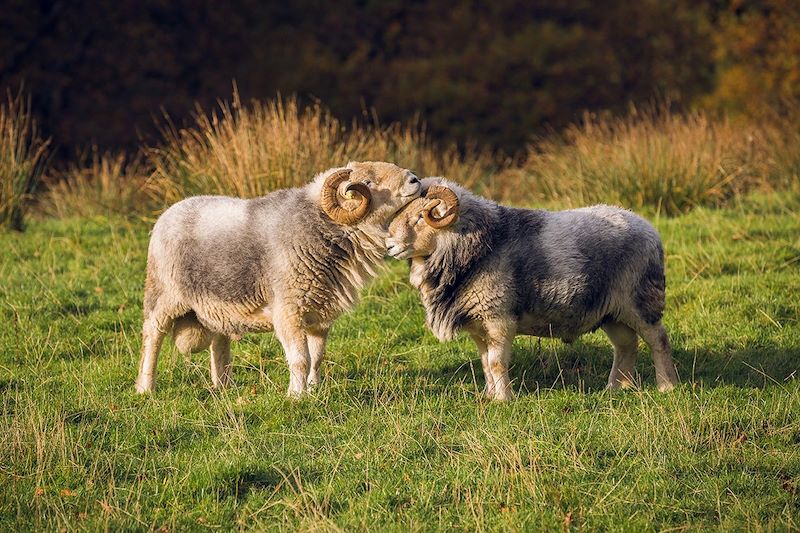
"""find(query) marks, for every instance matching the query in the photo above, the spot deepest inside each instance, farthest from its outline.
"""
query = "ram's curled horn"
(330, 198)
(440, 195)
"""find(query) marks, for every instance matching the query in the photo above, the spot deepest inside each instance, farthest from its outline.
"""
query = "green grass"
(397, 437)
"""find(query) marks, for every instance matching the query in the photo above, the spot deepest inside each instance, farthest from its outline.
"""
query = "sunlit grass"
(668, 162)
(397, 437)
(654, 160)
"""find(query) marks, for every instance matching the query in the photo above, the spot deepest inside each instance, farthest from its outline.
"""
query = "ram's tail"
(189, 335)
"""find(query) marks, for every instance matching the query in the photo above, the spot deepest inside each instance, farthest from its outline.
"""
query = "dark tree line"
(494, 72)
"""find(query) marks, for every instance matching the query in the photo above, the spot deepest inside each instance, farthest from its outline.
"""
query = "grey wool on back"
(562, 265)
(224, 270)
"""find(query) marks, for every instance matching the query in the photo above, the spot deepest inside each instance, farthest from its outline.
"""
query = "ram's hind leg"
(220, 360)
(656, 337)
(626, 347)
(157, 321)
(152, 338)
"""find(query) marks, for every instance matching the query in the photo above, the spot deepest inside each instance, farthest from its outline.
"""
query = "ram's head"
(367, 192)
(414, 231)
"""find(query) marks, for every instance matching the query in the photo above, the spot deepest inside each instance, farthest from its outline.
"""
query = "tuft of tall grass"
(23, 156)
(781, 140)
(250, 150)
(670, 162)
(106, 184)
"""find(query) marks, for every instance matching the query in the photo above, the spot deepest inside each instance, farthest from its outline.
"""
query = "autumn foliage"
(496, 73)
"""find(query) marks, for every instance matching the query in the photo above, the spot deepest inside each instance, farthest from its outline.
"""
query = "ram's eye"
(419, 219)
(368, 183)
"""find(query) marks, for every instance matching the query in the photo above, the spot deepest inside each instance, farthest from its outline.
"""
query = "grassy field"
(397, 437)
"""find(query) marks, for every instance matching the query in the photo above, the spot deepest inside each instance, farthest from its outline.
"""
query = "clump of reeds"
(23, 156)
(651, 159)
(670, 162)
(250, 150)
(104, 184)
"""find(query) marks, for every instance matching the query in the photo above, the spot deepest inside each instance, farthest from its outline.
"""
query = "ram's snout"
(412, 188)
(397, 250)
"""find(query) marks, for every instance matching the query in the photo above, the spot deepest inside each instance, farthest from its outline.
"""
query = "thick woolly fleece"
(560, 274)
(220, 267)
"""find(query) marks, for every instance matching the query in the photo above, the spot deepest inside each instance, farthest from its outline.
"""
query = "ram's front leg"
(483, 351)
(295, 346)
(500, 338)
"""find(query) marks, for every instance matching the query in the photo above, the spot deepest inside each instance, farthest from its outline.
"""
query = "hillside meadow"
(397, 437)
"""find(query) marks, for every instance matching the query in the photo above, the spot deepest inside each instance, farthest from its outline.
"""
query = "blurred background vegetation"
(661, 105)
(497, 73)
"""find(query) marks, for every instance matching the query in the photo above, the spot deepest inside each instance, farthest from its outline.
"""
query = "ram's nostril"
(413, 179)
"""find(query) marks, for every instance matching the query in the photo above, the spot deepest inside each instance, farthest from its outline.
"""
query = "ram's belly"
(259, 321)
(568, 326)
(234, 321)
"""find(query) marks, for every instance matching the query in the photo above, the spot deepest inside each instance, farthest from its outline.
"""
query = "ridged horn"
(441, 195)
(329, 199)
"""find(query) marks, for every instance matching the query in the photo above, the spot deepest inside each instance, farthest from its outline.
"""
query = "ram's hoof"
(503, 395)
(143, 387)
(666, 387)
(295, 394)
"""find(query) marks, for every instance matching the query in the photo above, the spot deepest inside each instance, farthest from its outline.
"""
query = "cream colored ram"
(291, 261)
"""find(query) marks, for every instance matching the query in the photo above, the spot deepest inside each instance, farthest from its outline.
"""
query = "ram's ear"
(442, 209)
(428, 182)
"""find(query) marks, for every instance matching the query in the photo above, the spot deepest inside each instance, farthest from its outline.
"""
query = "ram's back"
(574, 269)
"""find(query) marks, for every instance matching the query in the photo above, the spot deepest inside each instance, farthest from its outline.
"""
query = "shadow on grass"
(238, 484)
(585, 367)
(239, 481)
